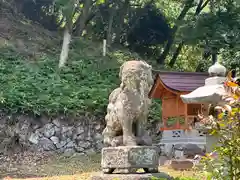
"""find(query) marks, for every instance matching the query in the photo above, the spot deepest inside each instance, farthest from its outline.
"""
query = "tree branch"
(161, 59)
(199, 8)
(81, 21)
(123, 11)
(176, 54)
(205, 4)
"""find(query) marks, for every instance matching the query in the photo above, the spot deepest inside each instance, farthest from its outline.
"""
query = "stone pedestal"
(127, 159)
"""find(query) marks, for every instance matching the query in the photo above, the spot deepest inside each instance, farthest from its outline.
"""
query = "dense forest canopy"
(173, 33)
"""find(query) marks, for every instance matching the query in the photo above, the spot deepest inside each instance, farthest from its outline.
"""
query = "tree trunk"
(65, 47)
(213, 49)
(161, 59)
(67, 35)
(177, 52)
(124, 10)
(82, 19)
(205, 56)
(200, 7)
(214, 58)
(110, 26)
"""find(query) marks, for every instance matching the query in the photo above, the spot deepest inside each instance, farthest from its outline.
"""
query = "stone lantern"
(211, 93)
(213, 90)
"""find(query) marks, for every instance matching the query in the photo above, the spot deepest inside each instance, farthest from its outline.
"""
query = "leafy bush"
(155, 113)
(226, 126)
(38, 87)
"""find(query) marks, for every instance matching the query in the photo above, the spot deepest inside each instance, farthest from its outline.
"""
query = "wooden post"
(104, 47)
(178, 123)
(186, 115)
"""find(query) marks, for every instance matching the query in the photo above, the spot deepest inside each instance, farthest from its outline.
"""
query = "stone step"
(139, 176)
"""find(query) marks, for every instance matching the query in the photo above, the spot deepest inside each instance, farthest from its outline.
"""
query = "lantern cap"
(217, 70)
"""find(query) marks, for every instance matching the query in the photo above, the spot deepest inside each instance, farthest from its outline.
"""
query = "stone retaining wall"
(66, 135)
(81, 135)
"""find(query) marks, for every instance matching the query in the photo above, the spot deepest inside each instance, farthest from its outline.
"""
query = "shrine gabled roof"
(180, 81)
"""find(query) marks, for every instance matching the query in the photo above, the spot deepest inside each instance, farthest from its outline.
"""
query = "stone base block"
(130, 158)
(101, 176)
(181, 164)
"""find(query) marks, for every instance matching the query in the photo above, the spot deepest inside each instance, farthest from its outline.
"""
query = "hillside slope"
(32, 83)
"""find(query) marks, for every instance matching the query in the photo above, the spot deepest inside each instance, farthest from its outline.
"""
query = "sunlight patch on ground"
(83, 176)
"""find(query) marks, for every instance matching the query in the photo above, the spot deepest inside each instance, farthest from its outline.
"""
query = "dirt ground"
(32, 165)
(43, 166)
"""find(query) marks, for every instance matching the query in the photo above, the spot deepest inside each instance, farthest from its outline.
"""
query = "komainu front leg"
(128, 137)
(139, 128)
(108, 136)
(142, 135)
(117, 141)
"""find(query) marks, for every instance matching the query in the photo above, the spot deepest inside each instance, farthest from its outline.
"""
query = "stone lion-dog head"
(136, 75)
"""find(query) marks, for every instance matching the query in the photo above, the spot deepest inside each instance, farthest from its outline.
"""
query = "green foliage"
(189, 60)
(39, 87)
(145, 26)
(170, 9)
(173, 120)
(215, 31)
(67, 7)
(100, 1)
(145, 36)
(226, 127)
(155, 114)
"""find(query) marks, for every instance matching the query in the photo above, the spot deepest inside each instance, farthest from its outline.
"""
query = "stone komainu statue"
(127, 110)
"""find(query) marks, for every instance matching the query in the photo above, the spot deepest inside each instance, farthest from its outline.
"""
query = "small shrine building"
(177, 116)
(169, 86)
(183, 96)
